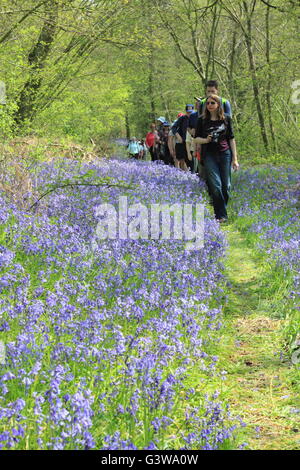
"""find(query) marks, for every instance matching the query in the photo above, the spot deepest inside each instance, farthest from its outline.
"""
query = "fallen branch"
(74, 183)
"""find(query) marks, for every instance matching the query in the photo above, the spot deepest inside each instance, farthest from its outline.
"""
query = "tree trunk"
(150, 85)
(231, 79)
(269, 76)
(232, 62)
(248, 38)
(37, 57)
(209, 73)
(127, 125)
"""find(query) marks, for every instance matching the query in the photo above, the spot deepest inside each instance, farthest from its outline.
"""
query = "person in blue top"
(133, 148)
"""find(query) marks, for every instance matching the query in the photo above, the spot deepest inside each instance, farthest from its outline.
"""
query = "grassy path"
(260, 386)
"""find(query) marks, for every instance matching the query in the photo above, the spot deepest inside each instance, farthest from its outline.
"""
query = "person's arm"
(156, 139)
(232, 144)
(171, 145)
(178, 138)
(188, 146)
(235, 164)
(202, 140)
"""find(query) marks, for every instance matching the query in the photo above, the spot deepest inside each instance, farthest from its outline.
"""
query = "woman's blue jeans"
(218, 174)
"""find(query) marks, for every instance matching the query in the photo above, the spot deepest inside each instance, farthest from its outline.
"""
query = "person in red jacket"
(151, 140)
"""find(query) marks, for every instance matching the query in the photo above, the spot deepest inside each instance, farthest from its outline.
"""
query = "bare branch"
(30, 12)
(76, 183)
(271, 6)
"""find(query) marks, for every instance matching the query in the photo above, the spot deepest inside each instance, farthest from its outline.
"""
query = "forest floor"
(260, 383)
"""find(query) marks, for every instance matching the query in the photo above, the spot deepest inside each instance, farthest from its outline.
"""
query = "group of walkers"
(201, 140)
(137, 149)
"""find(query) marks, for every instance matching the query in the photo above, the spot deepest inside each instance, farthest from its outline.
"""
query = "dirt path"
(260, 383)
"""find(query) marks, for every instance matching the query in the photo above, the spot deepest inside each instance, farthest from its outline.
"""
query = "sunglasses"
(211, 102)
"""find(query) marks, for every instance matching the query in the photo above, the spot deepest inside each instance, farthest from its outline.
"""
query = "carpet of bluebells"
(267, 203)
(113, 347)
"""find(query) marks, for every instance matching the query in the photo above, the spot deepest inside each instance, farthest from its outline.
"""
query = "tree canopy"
(106, 68)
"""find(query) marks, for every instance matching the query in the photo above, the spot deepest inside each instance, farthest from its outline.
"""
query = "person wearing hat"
(160, 123)
(161, 119)
(179, 129)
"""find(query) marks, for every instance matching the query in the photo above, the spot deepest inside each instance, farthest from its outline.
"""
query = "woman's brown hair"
(220, 111)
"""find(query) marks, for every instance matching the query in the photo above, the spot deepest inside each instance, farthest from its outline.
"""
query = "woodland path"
(259, 383)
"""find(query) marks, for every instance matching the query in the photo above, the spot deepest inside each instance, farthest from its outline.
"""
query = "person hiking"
(160, 123)
(160, 131)
(179, 129)
(215, 134)
(172, 142)
(191, 148)
(151, 142)
(164, 147)
(143, 149)
(133, 148)
(212, 88)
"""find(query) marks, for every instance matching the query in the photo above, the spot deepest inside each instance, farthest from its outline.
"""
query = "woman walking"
(152, 139)
(214, 132)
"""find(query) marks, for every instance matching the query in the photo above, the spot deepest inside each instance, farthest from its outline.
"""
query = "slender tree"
(269, 76)
(37, 60)
(244, 17)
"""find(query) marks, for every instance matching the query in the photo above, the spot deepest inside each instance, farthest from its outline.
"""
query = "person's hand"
(190, 156)
(208, 139)
(235, 165)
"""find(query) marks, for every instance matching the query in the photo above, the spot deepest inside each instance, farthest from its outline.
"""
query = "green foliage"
(6, 121)
(91, 111)
(141, 59)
